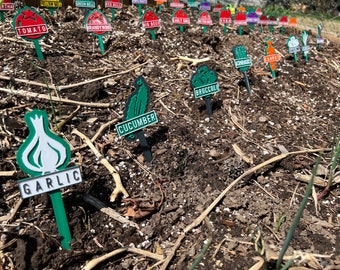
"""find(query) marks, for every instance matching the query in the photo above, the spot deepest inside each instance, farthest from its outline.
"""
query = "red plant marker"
(224, 18)
(240, 20)
(4, 7)
(180, 18)
(204, 19)
(150, 21)
(113, 5)
(31, 26)
(283, 22)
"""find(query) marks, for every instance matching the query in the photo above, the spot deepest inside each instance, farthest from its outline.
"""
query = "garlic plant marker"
(242, 62)
(45, 156)
(98, 25)
(305, 48)
(293, 45)
(31, 26)
(272, 21)
(5, 5)
(263, 21)
(136, 116)
(204, 83)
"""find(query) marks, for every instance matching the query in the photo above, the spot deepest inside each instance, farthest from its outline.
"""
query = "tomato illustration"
(29, 24)
(97, 23)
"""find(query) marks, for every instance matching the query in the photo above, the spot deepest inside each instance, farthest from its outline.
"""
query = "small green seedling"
(136, 116)
(204, 83)
(293, 45)
(45, 156)
(242, 62)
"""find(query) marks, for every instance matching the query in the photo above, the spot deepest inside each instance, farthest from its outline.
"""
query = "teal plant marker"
(272, 21)
(45, 156)
(140, 4)
(150, 22)
(136, 116)
(204, 83)
(319, 39)
(113, 5)
(270, 56)
(283, 22)
(160, 4)
(180, 18)
(242, 62)
(305, 47)
(204, 19)
(193, 4)
(98, 25)
(5, 6)
(224, 17)
(293, 45)
(240, 20)
(31, 26)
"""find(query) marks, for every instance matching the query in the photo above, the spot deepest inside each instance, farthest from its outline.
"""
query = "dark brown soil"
(193, 155)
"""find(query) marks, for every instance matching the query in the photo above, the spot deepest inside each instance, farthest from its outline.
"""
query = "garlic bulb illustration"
(43, 151)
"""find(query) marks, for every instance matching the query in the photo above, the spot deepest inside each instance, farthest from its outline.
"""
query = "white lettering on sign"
(32, 30)
(7, 6)
(206, 90)
(49, 182)
(95, 27)
(225, 20)
(111, 4)
(151, 24)
(178, 20)
(204, 21)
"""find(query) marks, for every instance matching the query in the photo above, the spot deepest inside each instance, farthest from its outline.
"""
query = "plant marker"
(319, 39)
(205, 5)
(45, 156)
(293, 45)
(217, 8)
(283, 22)
(5, 6)
(176, 4)
(85, 5)
(258, 11)
(139, 4)
(136, 116)
(242, 62)
(113, 5)
(305, 47)
(180, 18)
(292, 22)
(31, 26)
(98, 25)
(204, 19)
(271, 57)
(160, 3)
(252, 18)
(240, 20)
(193, 4)
(204, 84)
(224, 17)
(272, 21)
(51, 5)
(150, 22)
(263, 21)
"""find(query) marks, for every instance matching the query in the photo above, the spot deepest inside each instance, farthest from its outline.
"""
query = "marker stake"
(144, 145)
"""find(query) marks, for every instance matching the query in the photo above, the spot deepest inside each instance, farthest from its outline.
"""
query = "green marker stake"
(136, 117)
(27, 21)
(204, 84)
(293, 45)
(242, 62)
(45, 156)
(2, 16)
(305, 47)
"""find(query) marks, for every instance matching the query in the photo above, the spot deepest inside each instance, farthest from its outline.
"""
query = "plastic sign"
(242, 62)
(283, 22)
(85, 4)
(258, 11)
(271, 57)
(97, 24)
(180, 18)
(45, 156)
(113, 4)
(252, 19)
(136, 116)
(319, 38)
(193, 4)
(305, 47)
(7, 5)
(293, 45)
(272, 21)
(292, 22)
(204, 84)
(150, 22)
(240, 19)
(31, 26)
(204, 19)
(176, 4)
(205, 6)
(51, 3)
(217, 8)
(263, 20)
(224, 17)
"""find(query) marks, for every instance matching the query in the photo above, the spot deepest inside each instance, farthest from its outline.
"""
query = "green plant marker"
(2, 16)
(204, 84)
(136, 117)
(140, 4)
(270, 56)
(45, 156)
(242, 62)
(293, 45)
(319, 39)
(31, 26)
(98, 25)
(150, 22)
(305, 47)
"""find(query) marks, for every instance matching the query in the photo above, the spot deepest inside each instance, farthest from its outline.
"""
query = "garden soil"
(165, 221)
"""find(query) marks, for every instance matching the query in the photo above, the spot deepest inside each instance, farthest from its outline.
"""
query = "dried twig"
(145, 253)
(108, 211)
(206, 212)
(119, 186)
(47, 97)
(192, 60)
(62, 123)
